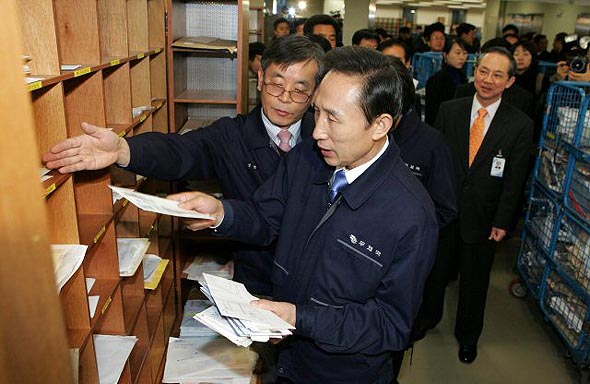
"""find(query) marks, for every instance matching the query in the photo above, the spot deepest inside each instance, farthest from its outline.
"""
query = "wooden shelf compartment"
(61, 214)
(106, 290)
(101, 261)
(117, 95)
(170, 314)
(93, 227)
(160, 118)
(74, 303)
(109, 318)
(206, 96)
(88, 367)
(39, 36)
(157, 24)
(128, 222)
(133, 298)
(157, 341)
(112, 22)
(55, 181)
(49, 113)
(76, 23)
(139, 355)
(137, 24)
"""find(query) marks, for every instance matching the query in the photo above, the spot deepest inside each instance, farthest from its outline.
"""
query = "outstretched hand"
(97, 148)
(202, 203)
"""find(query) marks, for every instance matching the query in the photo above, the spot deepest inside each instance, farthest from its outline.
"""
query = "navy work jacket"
(429, 157)
(236, 151)
(355, 270)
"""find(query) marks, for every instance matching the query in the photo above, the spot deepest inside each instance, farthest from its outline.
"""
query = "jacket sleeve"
(431, 100)
(515, 174)
(441, 183)
(257, 221)
(384, 322)
(173, 157)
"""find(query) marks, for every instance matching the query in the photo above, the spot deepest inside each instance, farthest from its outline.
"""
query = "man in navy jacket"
(240, 152)
(350, 262)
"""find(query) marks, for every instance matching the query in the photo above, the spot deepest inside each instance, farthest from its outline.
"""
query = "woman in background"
(441, 86)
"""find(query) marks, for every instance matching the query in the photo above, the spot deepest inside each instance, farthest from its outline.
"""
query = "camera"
(579, 64)
(577, 52)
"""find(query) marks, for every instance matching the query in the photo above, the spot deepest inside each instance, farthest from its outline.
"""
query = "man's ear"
(260, 77)
(510, 81)
(382, 125)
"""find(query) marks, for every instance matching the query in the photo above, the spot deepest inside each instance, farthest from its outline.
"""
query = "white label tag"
(498, 167)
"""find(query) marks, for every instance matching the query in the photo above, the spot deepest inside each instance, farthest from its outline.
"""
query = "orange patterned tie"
(476, 134)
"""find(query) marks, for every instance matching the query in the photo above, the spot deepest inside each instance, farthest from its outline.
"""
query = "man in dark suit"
(491, 162)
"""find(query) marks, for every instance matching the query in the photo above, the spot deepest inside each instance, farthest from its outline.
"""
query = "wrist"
(124, 153)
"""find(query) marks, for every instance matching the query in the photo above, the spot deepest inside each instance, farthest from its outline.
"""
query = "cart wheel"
(517, 288)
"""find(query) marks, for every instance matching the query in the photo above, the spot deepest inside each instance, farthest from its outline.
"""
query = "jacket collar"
(255, 134)
(406, 127)
(369, 182)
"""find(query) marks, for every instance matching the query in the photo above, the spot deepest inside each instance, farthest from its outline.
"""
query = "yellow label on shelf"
(122, 133)
(106, 305)
(551, 135)
(159, 105)
(35, 85)
(125, 202)
(50, 189)
(158, 50)
(115, 62)
(140, 55)
(142, 118)
(99, 234)
(81, 72)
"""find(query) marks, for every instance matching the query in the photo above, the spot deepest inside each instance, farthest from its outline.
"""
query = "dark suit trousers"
(475, 264)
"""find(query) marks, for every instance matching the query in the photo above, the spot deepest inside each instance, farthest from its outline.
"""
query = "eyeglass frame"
(282, 88)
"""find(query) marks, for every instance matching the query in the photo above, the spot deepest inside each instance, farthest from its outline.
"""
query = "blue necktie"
(339, 184)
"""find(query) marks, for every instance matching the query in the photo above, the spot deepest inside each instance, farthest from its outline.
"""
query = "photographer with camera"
(577, 65)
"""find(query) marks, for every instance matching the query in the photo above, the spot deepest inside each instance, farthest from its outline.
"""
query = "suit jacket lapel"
(463, 122)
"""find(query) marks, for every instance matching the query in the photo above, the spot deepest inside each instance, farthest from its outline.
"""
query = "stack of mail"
(190, 327)
(153, 270)
(202, 265)
(207, 360)
(235, 318)
(131, 252)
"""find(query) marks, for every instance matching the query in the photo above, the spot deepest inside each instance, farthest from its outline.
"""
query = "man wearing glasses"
(241, 152)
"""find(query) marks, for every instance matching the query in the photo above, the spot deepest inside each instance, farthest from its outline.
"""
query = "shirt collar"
(353, 174)
(492, 109)
(272, 130)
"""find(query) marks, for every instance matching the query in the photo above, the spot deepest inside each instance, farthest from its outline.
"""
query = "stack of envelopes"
(234, 317)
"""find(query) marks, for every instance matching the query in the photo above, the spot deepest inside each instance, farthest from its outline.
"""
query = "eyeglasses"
(278, 90)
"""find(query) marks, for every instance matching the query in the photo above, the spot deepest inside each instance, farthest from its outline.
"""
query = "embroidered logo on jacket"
(364, 245)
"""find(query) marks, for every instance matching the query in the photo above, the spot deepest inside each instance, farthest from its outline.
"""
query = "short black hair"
(392, 43)
(538, 37)
(495, 42)
(366, 34)
(320, 20)
(434, 27)
(464, 28)
(280, 20)
(382, 32)
(404, 30)
(510, 27)
(299, 21)
(321, 40)
(255, 48)
(292, 49)
(408, 88)
(504, 52)
(382, 89)
(457, 41)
